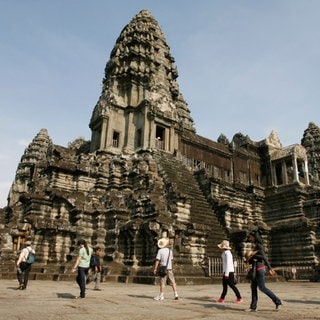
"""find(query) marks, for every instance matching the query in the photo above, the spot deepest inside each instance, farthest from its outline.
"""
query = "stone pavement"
(55, 300)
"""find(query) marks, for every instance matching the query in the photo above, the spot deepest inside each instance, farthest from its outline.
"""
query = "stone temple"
(147, 173)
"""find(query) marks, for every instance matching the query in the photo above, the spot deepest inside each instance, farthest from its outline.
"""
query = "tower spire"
(140, 85)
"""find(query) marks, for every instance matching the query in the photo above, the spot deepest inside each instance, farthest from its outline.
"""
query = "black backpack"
(93, 261)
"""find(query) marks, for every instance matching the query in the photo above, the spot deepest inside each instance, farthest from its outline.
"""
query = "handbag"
(251, 275)
(163, 270)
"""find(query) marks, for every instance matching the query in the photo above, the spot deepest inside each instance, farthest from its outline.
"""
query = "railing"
(115, 143)
(214, 266)
(296, 273)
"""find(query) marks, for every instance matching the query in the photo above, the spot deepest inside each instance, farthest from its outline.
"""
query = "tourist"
(228, 278)
(165, 258)
(23, 268)
(96, 269)
(258, 263)
(82, 264)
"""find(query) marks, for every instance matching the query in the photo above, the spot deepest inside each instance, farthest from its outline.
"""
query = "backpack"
(31, 258)
(93, 261)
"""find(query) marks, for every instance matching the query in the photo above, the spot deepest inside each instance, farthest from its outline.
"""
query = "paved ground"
(55, 300)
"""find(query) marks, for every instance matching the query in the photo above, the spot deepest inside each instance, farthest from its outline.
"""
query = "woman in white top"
(228, 272)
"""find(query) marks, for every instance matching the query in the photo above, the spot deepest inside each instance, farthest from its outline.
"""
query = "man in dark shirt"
(96, 268)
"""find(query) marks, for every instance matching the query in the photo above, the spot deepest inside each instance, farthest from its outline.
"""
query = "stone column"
(104, 129)
(284, 172)
(306, 171)
(152, 134)
(295, 169)
(130, 131)
(171, 140)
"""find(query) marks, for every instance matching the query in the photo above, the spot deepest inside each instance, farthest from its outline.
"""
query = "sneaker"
(278, 306)
(220, 300)
(176, 297)
(238, 300)
(159, 298)
(250, 310)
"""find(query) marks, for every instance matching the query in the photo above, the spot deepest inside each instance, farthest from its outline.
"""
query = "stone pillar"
(145, 130)
(104, 129)
(130, 131)
(231, 171)
(284, 172)
(305, 164)
(166, 139)
(152, 134)
(173, 140)
(295, 169)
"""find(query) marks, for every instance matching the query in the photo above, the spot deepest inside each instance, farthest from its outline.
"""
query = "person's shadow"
(12, 288)
(65, 295)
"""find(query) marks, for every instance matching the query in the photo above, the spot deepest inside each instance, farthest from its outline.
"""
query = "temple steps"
(184, 184)
(144, 279)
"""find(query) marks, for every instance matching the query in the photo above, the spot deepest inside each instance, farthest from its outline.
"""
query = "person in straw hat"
(228, 278)
(164, 258)
(258, 262)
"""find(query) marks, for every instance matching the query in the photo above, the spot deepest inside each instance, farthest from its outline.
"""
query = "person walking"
(258, 262)
(82, 264)
(23, 267)
(165, 258)
(96, 268)
(228, 278)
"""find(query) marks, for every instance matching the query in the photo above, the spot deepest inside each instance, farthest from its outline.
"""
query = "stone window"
(301, 170)
(216, 172)
(115, 139)
(243, 177)
(138, 141)
(208, 167)
(289, 167)
(278, 170)
(227, 175)
(160, 138)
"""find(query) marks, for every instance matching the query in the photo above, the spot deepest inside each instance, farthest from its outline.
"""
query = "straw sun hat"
(163, 242)
(249, 253)
(224, 245)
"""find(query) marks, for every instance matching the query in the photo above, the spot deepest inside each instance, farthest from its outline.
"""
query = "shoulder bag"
(163, 270)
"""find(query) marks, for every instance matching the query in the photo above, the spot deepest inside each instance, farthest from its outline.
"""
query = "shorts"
(170, 276)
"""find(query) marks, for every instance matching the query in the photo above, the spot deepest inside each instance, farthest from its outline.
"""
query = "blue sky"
(244, 66)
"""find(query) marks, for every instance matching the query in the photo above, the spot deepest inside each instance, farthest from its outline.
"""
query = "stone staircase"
(63, 273)
(175, 172)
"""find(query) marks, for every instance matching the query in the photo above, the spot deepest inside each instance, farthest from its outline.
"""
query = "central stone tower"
(140, 105)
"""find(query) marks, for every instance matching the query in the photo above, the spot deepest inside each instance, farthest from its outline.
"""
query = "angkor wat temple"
(146, 172)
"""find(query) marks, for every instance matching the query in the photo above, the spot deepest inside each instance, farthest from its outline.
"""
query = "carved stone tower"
(140, 106)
